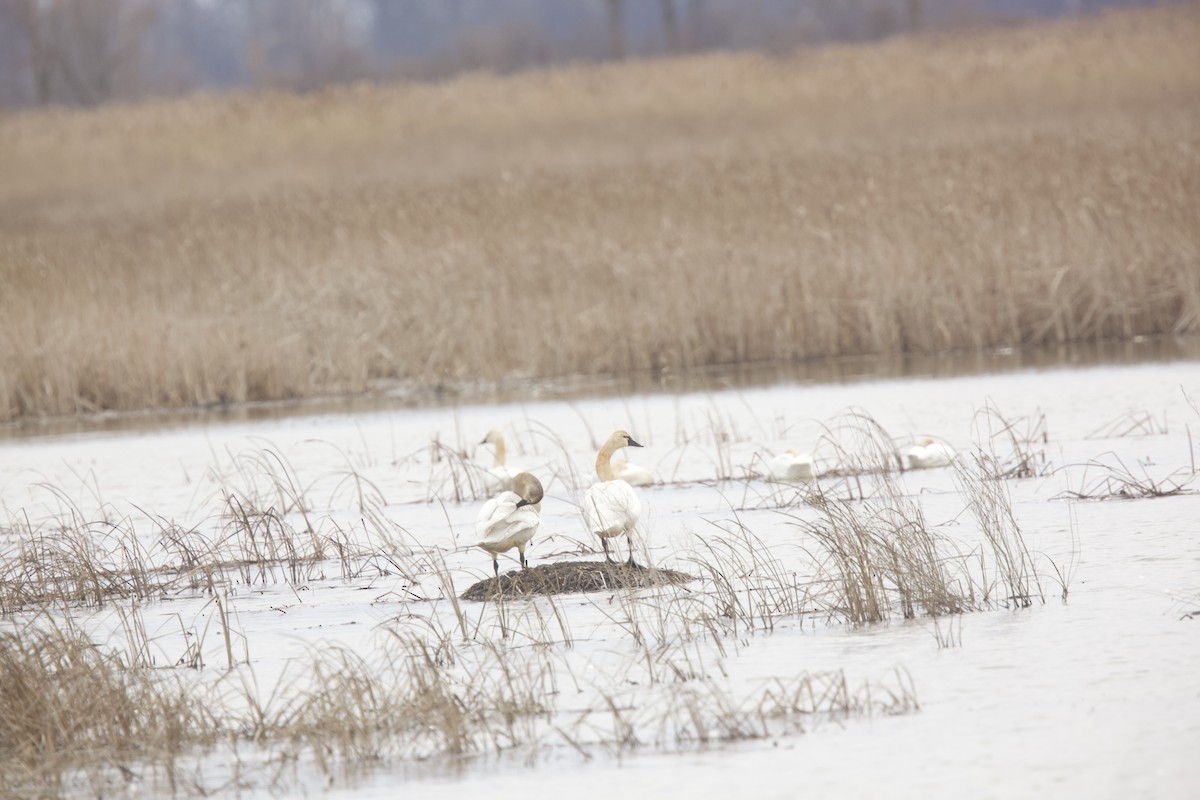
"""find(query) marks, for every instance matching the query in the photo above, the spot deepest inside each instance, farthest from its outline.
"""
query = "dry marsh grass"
(78, 716)
(523, 674)
(880, 556)
(73, 714)
(1131, 423)
(1014, 187)
(1016, 446)
(1016, 582)
(450, 679)
(264, 533)
(1108, 477)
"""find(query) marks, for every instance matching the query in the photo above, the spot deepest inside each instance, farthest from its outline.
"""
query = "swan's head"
(925, 442)
(791, 451)
(528, 488)
(494, 437)
(621, 439)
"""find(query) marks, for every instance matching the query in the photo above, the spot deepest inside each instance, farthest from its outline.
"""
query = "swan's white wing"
(514, 531)
(495, 512)
(611, 508)
(501, 525)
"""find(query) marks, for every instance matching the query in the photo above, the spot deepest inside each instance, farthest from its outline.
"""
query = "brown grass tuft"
(67, 706)
(880, 555)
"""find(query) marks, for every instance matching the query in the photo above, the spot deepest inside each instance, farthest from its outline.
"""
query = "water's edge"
(390, 395)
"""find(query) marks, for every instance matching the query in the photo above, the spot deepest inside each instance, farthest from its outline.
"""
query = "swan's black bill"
(632, 443)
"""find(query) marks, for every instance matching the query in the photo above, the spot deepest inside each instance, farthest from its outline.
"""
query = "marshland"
(1033, 186)
(280, 604)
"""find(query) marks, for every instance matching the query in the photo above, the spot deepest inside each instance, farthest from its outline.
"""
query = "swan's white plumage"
(502, 525)
(510, 519)
(633, 474)
(791, 466)
(611, 507)
(928, 454)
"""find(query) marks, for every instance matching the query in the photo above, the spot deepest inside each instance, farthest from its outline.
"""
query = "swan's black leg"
(604, 542)
(496, 566)
(524, 563)
(631, 562)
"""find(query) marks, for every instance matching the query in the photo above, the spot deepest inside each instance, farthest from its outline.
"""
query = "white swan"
(633, 474)
(611, 507)
(928, 454)
(510, 519)
(791, 466)
(499, 477)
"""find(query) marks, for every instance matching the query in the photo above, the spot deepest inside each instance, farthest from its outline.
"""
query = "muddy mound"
(569, 577)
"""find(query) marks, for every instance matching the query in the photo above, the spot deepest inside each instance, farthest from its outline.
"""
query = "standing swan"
(510, 519)
(500, 477)
(611, 507)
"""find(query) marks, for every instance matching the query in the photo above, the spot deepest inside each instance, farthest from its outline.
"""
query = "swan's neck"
(499, 462)
(604, 462)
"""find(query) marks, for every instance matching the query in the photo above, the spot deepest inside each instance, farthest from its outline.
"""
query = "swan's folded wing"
(611, 507)
(494, 513)
(518, 527)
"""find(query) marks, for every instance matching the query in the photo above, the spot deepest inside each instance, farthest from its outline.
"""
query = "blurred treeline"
(86, 52)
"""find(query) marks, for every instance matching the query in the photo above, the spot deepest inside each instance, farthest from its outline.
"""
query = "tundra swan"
(791, 466)
(927, 454)
(633, 474)
(611, 507)
(510, 519)
(499, 477)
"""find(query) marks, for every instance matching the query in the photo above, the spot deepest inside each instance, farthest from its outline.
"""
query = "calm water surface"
(1097, 696)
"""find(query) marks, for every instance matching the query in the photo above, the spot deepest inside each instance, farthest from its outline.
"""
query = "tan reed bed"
(1017, 187)
(85, 712)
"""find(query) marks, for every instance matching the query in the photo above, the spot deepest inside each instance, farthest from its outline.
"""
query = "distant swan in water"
(791, 466)
(499, 477)
(510, 519)
(633, 474)
(928, 454)
(611, 507)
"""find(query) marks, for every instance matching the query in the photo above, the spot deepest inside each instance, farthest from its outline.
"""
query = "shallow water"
(1094, 697)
